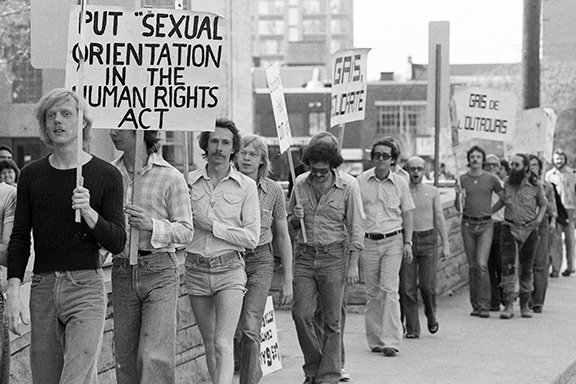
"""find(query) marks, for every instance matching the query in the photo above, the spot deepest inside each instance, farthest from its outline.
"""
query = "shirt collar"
(203, 172)
(153, 159)
(372, 174)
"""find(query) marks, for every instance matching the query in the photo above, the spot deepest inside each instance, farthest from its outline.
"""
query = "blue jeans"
(145, 297)
(5, 347)
(556, 251)
(419, 273)
(381, 260)
(495, 268)
(512, 248)
(319, 272)
(541, 264)
(477, 239)
(67, 312)
(259, 271)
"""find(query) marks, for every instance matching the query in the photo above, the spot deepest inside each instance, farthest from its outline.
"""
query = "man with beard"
(564, 179)
(477, 187)
(428, 218)
(525, 209)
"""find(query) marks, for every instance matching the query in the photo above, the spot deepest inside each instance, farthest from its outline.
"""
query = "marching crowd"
(233, 219)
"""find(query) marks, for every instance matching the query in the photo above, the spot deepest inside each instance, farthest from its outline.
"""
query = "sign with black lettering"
(485, 114)
(149, 68)
(279, 107)
(349, 83)
(270, 360)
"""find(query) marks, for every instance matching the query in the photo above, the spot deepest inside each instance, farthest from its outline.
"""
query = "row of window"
(309, 7)
(309, 27)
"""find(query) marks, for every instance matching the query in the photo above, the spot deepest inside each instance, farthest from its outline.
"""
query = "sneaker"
(508, 312)
(344, 376)
(484, 313)
(567, 272)
(390, 352)
(475, 312)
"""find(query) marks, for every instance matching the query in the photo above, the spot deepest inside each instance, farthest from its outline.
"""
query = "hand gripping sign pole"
(79, 87)
(282, 124)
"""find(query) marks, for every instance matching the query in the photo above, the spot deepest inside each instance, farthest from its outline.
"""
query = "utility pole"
(531, 54)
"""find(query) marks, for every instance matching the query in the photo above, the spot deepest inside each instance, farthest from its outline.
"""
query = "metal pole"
(531, 54)
(438, 79)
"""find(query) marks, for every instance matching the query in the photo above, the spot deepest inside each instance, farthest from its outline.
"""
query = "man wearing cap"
(476, 188)
(428, 218)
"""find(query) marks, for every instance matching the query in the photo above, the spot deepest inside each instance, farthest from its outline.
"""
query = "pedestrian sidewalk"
(466, 349)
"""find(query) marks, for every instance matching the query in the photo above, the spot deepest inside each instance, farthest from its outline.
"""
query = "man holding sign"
(68, 295)
(145, 295)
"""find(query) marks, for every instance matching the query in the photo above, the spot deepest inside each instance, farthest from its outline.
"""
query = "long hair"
(532, 177)
(265, 168)
(476, 148)
(236, 141)
(322, 152)
(54, 97)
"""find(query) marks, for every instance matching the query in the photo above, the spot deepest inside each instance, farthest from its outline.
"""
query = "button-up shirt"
(165, 198)
(565, 182)
(335, 218)
(384, 201)
(522, 203)
(234, 208)
(272, 207)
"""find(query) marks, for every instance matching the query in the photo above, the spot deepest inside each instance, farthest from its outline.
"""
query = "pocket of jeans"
(36, 280)
(161, 264)
(87, 278)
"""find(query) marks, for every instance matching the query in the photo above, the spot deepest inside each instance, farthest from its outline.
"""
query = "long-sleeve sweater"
(44, 205)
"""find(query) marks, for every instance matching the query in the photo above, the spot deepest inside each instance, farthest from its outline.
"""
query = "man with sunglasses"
(332, 217)
(476, 188)
(525, 209)
(388, 232)
(421, 271)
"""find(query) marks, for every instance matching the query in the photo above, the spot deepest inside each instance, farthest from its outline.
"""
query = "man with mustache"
(476, 188)
(525, 209)
(564, 179)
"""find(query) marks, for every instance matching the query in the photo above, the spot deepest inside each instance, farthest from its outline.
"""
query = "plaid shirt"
(164, 196)
(272, 207)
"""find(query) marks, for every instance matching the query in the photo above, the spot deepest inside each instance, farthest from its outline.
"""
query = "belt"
(520, 224)
(422, 233)
(323, 248)
(249, 252)
(380, 236)
(476, 219)
(215, 261)
(144, 253)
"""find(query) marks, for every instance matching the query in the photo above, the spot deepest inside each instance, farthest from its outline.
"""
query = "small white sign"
(349, 84)
(279, 107)
(149, 68)
(534, 133)
(269, 351)
(485, 114)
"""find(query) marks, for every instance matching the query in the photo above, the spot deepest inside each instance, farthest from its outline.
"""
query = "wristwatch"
(408, 242)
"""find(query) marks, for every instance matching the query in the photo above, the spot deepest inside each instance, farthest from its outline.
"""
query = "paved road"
(465, 350)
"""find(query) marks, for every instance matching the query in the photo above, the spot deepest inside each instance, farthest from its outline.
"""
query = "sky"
(481, 31)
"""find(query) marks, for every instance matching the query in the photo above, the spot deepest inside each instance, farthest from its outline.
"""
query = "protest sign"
(535, 132)
(269, 351)
(485, 114)
(149, 68)
(279, 107)
(349, 84)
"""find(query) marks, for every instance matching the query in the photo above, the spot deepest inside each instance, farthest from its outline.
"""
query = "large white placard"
(349, 84)
(149, 68)
(485, 114)
(269, 351)
(535, 132)
(279, 107)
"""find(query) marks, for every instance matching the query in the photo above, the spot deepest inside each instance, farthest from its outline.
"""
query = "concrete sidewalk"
(466, 349)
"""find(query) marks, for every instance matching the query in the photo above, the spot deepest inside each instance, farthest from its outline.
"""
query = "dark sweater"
(44, 205)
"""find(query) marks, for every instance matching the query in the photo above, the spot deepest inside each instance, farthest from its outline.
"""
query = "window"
(336, 7)
(27, 85)
(267, 7)
(293, 34)
(311, 7)
(271, 27)
(339, 26)
(293, 17)
(402, 119)
(313, 27)
(270, 47)
(317, 121)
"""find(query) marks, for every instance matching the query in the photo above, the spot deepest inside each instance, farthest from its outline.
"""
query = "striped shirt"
(272, 207)
(165, 197)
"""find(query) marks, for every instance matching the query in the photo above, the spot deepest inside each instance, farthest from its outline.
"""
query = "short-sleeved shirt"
(272, 207)
(384, 201)
(479, 189)
(522, 204)
(565, 181)
(7, 205)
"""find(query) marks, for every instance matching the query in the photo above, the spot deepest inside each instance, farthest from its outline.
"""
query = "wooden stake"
(79, 91)
(295, 191)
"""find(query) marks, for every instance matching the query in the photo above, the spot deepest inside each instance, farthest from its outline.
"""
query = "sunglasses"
(415, 169)
(492, 165)
(319, 171)
(515, 164)
(382, 156)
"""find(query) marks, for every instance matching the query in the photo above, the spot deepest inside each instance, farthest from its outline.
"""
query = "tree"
(14, 35)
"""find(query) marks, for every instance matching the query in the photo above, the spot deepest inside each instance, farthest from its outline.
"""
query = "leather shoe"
(412, 335)
(310, 380)
(433, 327)
(554, 274)
(377, 349)
(390, 352)
(475, 312)
(567, 273)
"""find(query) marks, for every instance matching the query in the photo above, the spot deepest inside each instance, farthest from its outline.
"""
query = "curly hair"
(387, 143)
(236, 141)
(322, 152)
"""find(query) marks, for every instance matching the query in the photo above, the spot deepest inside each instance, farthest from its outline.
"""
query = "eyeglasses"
(415, 169)
(319, 171)
(252, 155)
(382, 156)
(516, 165)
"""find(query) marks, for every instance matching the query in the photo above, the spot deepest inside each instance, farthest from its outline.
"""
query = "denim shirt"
(336, 218)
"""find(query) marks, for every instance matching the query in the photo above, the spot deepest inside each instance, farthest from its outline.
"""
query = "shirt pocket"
(197, 199)
(336, 209)
(231, 206)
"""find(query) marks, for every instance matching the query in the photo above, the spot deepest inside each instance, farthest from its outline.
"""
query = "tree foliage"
(14, 35)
